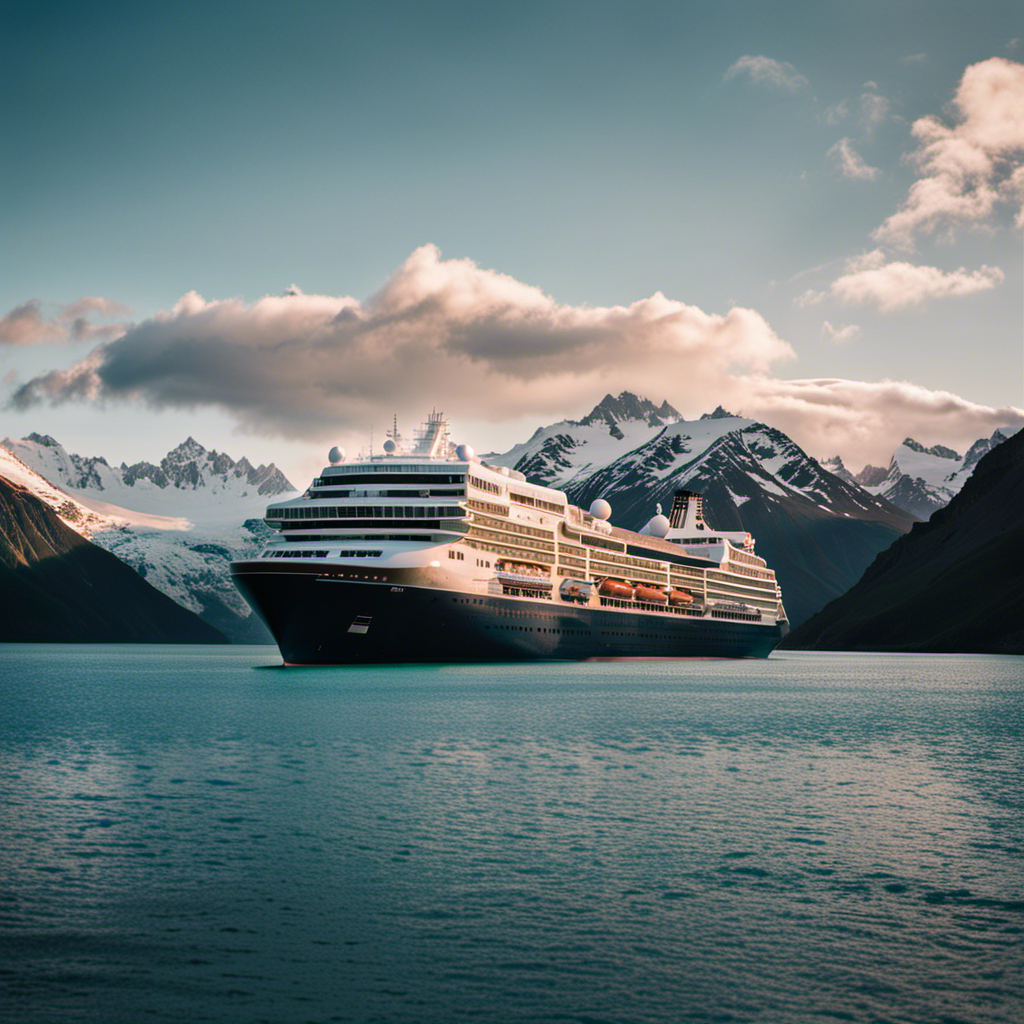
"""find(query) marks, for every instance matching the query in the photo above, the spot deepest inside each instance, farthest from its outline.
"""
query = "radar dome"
(600, 509)
(659, 526)
(390, 446)
(336, 455)
(465, 452)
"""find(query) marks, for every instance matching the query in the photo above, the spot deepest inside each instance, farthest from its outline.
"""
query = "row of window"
(529, 499)
(395, 469)
(389, 492)
(364, 512)
(485, 485)
(295, 554)
(514, 527)
(487, 506)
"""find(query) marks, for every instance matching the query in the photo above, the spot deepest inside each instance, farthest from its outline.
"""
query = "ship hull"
(318, 618)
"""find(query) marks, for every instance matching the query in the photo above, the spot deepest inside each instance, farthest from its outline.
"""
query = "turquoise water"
(195, 834)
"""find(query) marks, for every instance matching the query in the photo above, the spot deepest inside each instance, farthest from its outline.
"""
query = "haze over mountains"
(918, 479)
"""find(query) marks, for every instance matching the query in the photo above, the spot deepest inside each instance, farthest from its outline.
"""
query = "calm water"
(196, 835)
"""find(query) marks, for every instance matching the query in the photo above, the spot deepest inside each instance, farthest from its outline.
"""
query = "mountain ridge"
(951, 584)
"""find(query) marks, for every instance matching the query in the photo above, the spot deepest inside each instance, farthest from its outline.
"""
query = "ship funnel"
(687, 512)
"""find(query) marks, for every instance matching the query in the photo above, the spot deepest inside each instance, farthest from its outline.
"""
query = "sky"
(274, 227)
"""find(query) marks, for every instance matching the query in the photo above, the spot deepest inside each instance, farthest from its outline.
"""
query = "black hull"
(319, 619)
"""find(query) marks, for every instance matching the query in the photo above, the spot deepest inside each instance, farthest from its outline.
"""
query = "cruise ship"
(426, 553)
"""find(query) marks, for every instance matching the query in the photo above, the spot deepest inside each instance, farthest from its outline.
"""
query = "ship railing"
(651, 606)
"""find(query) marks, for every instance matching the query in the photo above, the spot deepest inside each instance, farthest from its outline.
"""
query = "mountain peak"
(629, 408)
(938, 450)
(43, 439)
(718, 414)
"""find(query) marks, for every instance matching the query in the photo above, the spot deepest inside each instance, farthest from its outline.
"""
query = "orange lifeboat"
(680, 598)
(615, 588)
(646, 592)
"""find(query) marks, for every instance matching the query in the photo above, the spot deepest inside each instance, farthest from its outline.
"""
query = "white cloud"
(850, 163)
(896, 285)
(442, 331)
(839, 335)
(766, 71)
(488, 348)
(970, 168)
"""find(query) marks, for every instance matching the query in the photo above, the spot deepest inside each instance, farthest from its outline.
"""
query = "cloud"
(765, 71)
(839, 335)
(93, 304)
(969, 169)
(487, 347)
(443, 331)
(27, 325)
(835, 113)
(850, 163)
(874, 108)
(865, 420)
(897, 285)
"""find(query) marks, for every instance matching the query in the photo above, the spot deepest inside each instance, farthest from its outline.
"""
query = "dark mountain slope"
(955, 583)
(57, 587)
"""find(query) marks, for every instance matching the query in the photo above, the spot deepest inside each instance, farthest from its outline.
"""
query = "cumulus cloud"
(28, 325)
(967, 170)
(850, 162)
(487, 347)
(897, 284)
(766, 71)
(443, 331)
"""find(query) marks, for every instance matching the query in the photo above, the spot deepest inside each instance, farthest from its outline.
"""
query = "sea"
(194, 834)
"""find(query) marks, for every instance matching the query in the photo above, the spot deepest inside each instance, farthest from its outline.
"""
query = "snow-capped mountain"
(921, 480)
(572, 449)
(177, 523)
(816, 529)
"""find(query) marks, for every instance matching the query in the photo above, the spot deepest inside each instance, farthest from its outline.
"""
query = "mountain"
(920, 480)
(952, 584)
(57, 587)
(572, 449)
(818, 531)
(177, 522)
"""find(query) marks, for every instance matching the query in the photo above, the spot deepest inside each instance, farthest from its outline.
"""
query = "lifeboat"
(647, 592)
(679, 598)
(575, 590)
(615, 588)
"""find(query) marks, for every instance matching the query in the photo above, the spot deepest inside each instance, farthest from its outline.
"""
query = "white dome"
(600, 509)
(390, 446)
(659, 526)
(336, 455)
(465, 452)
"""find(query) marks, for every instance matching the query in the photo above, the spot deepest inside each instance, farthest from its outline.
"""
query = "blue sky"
(502, 181)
